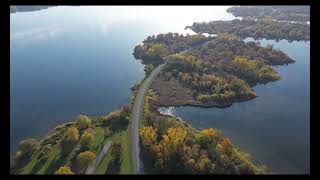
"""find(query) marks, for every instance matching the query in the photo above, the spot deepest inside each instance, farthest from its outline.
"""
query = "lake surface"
(275, 127)
(70, 60)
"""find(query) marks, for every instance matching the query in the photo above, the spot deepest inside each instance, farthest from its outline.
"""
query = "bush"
(84, 159)
(86, 139)
(28, 147)
(64, 170)
(83, 121)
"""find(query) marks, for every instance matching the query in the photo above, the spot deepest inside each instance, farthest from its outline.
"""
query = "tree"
(28, 147)
(204, 165)
(148, 135)
(148, 68)
(157, 51)
(83, 121)
(138, 52)
(115, 163)
(73, 134)
(172, 141)
(107, 132)
(84, 159)
(46, 150)
(209, 137)
(226, 145)
(69, 141)
(86, 139)
(64, 170)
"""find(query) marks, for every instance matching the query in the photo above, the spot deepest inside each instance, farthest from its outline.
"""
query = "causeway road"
(135, 118)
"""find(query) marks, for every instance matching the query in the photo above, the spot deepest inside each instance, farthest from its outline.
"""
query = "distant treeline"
(265, 28)
(280, 13)
(14, 9)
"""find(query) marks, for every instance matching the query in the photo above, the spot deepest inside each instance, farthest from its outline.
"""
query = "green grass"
(40, 166)
(124, 139)
(126, 165)
(98, 138)
(53, 162)
(101, 168)
(28, 167)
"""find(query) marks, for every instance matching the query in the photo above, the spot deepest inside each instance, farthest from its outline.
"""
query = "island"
(264, 28)
(300, 14)
(208, 71)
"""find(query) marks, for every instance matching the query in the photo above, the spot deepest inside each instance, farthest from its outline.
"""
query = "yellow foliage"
(113, 115)
(209, 132)
(85, 158)
(203, 164)
(73, 133)
(173, 140)
(148, 135)
(83, 121)
(64, 170)
(86, 139)
(227, 36)
(157, 49)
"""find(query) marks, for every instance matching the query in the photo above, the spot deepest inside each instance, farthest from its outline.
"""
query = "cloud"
(37, 33)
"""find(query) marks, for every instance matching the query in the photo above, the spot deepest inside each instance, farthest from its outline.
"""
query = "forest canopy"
(280, 13)
(219, 70)
(264, 28)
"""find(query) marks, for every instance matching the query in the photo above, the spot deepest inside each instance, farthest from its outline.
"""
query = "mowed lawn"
(126, 164)
(39, 165)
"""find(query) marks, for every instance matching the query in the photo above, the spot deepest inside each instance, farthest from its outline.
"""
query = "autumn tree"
(208, 138)
(204, 165)
(46, 151)
(28, 147)
(84, 159)
(69, 141)
(86, 139)
(173, 140)
(72, 134)
(83, 121)
(64, 170)
(148, 135)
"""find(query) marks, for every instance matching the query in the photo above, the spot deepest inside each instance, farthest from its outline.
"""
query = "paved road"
(136, 113)
(102, 153)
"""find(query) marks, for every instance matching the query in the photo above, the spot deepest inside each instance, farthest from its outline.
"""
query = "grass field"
(42, 166)
(39, 165)
(126, 165)
(98, 139)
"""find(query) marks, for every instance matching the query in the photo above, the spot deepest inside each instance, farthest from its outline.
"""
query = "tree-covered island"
(280, 13)
(208, 71)
(264, 28)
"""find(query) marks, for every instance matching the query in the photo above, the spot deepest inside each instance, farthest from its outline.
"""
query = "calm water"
(70, 60)
(275, 127)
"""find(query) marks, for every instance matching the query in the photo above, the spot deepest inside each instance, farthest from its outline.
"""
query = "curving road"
(136, 113)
